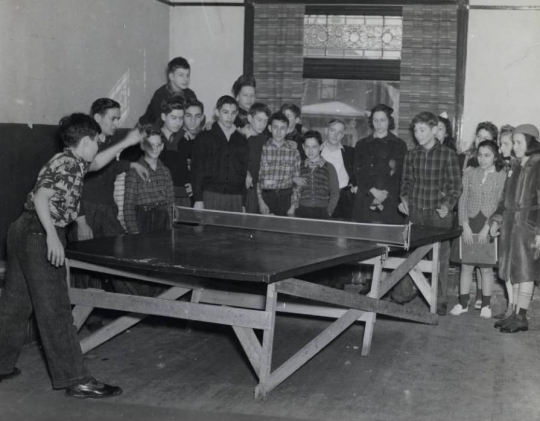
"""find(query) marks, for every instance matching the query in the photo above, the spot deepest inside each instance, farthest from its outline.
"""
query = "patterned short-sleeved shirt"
(64, 174)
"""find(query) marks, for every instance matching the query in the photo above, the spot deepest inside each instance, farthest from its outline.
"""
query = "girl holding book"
(482, 189)
(518, 216)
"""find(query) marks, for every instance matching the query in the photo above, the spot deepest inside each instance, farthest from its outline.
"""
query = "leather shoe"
(518, 324)
(441, 309)
(501, 323)
(14, 373)
(92, 389)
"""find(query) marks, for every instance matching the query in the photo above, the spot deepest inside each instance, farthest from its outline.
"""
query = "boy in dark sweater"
(318, 198)
(256, 135)
(174, 155)
(219, 162)
(178, 73)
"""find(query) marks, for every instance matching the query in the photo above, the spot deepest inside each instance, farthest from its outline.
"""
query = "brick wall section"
(428, 64)
(278, 53)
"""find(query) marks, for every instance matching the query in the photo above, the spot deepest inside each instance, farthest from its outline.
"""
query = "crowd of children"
(250, 160)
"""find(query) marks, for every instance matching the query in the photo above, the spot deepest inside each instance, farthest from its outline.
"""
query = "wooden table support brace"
(311, 291)
(122, 323)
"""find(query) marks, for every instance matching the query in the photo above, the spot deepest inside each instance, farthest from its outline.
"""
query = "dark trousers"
(153, 218)
(312, 213)
(278, 201)
(33, 285)
(431, 218)
(103, 219)
(222, 202)
(345, 205)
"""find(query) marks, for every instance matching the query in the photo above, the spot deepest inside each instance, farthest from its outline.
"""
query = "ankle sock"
(523, 312)
(464, 300)
(486, 300)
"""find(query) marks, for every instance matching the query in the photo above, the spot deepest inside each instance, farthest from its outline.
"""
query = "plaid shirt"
(157, 190)
(64, 174)
(478, 196)
(279, 164)
(431, 177)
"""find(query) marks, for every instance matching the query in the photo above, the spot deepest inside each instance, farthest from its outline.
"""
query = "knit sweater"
(322, 188)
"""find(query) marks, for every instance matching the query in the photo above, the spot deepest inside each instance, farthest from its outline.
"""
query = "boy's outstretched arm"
(104, 157)
(55, 249)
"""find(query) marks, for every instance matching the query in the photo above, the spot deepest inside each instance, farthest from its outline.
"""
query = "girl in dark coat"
(518, 216)
(378, 162)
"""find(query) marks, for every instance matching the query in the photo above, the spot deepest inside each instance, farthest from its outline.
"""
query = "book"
(476, 253)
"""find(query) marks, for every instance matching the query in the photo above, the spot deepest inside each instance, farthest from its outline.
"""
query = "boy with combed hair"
(148, 204)
(36, 275)
(430, 188)
(174, 155)
(178, 74)
(256, 135)
(220, 162)
(280, 169)
(320, 195)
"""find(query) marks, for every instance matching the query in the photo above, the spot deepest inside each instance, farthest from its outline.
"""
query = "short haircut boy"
(425, 117)
(101, 105)
(194, 102)
(171, 88)
(225, 100)
(259, 107)
(177, 63)
(278, 116)
(171, 104)
(292, 108)
(312, 134)
(74, 127)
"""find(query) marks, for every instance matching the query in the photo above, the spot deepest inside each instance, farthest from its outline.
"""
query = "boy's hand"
(84, 232)
(404, 207)
(354, 189)
(442, 211)
(55, 251)
(291, 210)
(198, 205)
(494, 229)
(140, 170)
(134, 137)
(299, 181)
(249, 181)
(263, 207)
(467, 234)
(189, 189)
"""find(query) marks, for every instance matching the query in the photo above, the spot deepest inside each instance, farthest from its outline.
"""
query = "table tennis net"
(394, 235)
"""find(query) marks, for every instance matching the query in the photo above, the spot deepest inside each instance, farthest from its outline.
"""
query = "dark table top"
(226, 253)
(230, 253)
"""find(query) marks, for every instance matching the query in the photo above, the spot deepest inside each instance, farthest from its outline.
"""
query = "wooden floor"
(463, 369)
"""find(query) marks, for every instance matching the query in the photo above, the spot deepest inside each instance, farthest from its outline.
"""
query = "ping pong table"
(235, 273)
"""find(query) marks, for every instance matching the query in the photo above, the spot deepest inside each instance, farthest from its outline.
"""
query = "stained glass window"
(355, 37)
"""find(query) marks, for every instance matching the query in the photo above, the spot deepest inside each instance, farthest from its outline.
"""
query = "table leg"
(435, 277)
(265, 364)
(372, 317)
